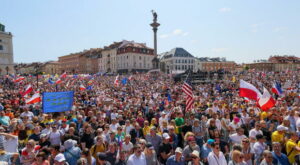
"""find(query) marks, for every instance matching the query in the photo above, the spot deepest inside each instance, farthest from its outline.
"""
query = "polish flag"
(19, 79)
(34, 99)
(28, 89)
(116, 83)
(130, 78)
(64, 75)
(277, 89)
(266, 101)
(82, 88)
(248, 90)
(58, 81)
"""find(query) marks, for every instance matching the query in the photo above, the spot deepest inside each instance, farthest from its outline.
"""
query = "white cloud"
(177, 32)
(225, 9)
(219, 50)
(185, 34)
(278, 29)
(255, 27)
(164, 36)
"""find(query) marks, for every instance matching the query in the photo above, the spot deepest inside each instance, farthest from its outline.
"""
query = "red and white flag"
(248, 90)
(19, 79)
(64, 75)
(116, 83)
(266, 101)
(27, 90)
(130, 78)
(58, 81)
(34, 99)
(188, 90)
(82, 88)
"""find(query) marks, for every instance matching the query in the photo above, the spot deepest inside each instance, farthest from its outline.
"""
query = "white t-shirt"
(54, 138)
(11, 145)
(29, 114)
(113, 127)
(253, 132)
(134, 160)
(216, 160)
(237, 139)
(127, 147)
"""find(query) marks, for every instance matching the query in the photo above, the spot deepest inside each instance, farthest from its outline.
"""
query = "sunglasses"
(245, 141)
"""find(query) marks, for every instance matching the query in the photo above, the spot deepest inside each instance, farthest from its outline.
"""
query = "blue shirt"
(172, 161)
(72, 155)
(280, 160)
(205, 151)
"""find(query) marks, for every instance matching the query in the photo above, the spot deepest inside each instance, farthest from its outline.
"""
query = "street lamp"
(37, 67)
(7, 69)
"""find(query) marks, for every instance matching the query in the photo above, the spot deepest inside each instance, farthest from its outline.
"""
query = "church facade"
(6, 52)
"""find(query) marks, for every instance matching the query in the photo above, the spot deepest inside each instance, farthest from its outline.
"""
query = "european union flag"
(50, 81)
(89, 87)
(57, 101)
(124, 81)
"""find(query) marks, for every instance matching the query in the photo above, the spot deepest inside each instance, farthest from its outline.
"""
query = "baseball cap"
(101, 156)
(166, 136)
(60, 157)
(178, 150)
(282, 128)
(210, 141)
(195, 153)
(149, 145)
(191, 138)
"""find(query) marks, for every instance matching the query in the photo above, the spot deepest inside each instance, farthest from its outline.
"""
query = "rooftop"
(176, 52)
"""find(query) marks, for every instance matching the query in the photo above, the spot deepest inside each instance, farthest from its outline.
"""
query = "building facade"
(284, 63)
(177, 60)
(125, 57)
(51, 67)
(215, 64)
(261, 66)
(6, 52)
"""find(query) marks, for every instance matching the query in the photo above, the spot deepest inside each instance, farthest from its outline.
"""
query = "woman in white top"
(216, 157)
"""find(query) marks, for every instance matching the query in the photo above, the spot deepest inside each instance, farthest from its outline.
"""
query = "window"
(1, 47)
(140, 57)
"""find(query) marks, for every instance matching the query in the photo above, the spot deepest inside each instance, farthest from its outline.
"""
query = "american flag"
(188, 90)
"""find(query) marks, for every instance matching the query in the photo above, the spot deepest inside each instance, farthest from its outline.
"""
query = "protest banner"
(57, 101)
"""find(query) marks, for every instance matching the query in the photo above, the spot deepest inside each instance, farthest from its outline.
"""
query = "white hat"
(60, 157)
(163, 113)
(166, 136)
(282, 128)
(178, 150)
(195, 153)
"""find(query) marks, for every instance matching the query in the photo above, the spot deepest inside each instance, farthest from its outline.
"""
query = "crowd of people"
(144, 121)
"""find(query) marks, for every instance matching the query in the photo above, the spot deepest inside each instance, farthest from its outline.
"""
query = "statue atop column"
(154, 16)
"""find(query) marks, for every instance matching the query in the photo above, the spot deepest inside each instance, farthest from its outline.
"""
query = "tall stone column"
(155, 26)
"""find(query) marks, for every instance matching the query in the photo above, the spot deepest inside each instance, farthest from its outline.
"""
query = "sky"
(239, 30)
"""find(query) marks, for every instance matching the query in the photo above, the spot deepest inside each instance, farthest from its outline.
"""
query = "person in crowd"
(138, 157)
(205, 150)
(177, 158)
(72, 153)
(267, 158)
(237, 158)
(216, 156)
(189, 148)
(150, 154)
(154, 139)
(279, 158)
(259, 147)
(165, 149)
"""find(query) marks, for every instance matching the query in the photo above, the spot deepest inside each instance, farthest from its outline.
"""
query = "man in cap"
(206, 149)
(188, 149)
(60, 159)
(165, 149)
(176, 159)
(101, 159)
(278, 136)
(154, 139)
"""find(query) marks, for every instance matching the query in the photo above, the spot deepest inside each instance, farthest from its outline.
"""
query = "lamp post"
(37, 67)
(7, 69)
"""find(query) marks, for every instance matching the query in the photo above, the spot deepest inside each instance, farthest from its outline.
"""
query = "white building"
(177, 60)
(6, 52)
(126, 56)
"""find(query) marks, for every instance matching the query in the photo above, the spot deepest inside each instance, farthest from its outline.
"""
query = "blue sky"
(240, 30)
